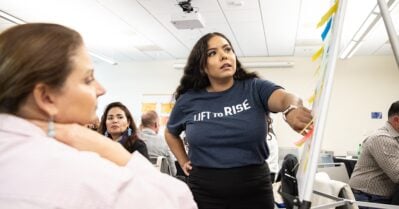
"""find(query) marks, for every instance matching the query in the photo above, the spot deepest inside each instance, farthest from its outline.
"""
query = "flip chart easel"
(310, 156)
(309, 160)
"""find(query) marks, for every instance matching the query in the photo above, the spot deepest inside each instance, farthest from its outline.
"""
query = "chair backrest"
(161, 163)
(289, 185)
(336, 189)
(336, 171)
(284, 151)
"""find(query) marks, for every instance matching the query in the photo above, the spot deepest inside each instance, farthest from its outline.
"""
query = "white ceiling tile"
(238, 5)
(225, 30)
(206, 5)
(213, 18)
(144, 21)
(310, 14)
(159, 55)
(243, 16)
(355, 14)
(374, 40)
(251, 38)
(385, 49)
(117, 28)
(280, 22)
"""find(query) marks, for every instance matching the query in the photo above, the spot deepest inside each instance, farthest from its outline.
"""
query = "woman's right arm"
(84, 139)
(176, 145)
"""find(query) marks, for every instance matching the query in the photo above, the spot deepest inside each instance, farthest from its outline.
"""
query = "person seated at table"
(377, 171)
(155, 142)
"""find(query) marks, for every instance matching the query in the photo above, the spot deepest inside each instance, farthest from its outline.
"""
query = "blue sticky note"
(376, 115)
(326, 29)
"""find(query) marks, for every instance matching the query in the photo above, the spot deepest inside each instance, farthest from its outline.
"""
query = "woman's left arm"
(294, 113)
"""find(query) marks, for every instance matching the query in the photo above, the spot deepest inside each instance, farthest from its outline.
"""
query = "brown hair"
(33, 53)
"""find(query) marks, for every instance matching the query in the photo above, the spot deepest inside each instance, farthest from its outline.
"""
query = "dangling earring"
(106, 133)
(51, 127)
(129, 131)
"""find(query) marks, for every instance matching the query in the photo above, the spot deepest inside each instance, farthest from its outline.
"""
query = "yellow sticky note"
(318, 53)
(311, 99)
(328, 14)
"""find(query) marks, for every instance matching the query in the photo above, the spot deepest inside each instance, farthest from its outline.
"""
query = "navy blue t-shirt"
(225, 129)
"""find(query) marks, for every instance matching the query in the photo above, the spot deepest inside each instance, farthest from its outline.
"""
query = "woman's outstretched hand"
(300, 119)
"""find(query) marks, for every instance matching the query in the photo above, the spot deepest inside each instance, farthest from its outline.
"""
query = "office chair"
(161, 163)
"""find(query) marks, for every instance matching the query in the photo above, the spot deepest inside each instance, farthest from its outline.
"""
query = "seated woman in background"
(48, 158)
(117, 123)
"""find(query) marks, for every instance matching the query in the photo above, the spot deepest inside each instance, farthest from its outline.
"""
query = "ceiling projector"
(185, 20)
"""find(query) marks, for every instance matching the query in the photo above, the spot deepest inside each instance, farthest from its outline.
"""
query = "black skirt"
(246, 187)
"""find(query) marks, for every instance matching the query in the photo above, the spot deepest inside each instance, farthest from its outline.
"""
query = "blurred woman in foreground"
(48, 158)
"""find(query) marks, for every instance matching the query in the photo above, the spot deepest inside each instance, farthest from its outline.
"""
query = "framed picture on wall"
(160, 103)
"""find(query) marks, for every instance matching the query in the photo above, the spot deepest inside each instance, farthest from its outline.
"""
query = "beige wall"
(361, 85)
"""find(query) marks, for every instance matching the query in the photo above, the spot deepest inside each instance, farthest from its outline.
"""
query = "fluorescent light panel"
(347, 50)
(17, 21)
(366, 27)
(392, 4)
(11, 18)
(356, 47)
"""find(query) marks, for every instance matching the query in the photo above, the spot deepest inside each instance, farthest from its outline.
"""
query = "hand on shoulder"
(85, 139)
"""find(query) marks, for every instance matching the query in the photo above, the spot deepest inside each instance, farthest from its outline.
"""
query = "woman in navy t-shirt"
(222, 108)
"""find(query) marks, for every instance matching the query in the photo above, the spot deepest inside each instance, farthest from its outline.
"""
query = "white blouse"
(39, 172)
(272, 160)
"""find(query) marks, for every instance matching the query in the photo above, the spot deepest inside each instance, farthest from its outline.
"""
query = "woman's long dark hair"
(103, 128)
(194, 76)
